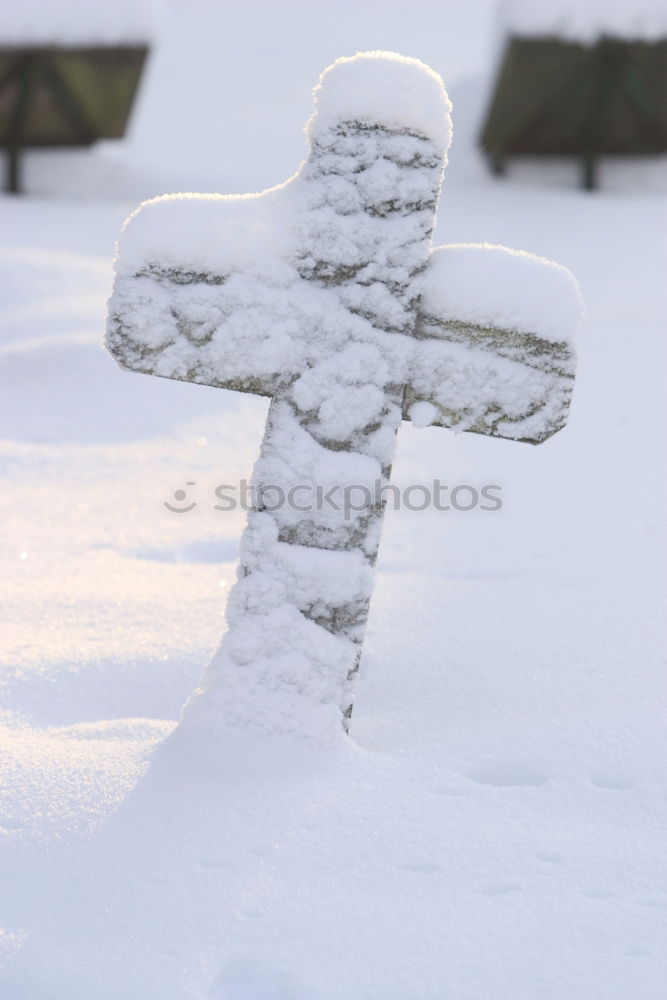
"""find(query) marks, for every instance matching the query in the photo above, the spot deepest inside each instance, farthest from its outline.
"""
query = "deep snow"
(495, 826)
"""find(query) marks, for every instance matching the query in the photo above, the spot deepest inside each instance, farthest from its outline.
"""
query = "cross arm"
(494, 352)
(201, 292)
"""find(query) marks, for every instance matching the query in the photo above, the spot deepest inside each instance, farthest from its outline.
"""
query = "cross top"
(326, 295)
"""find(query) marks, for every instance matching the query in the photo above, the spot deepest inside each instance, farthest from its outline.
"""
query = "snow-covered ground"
(494, 828)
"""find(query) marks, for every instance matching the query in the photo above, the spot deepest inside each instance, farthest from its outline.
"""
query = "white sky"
(244, 72)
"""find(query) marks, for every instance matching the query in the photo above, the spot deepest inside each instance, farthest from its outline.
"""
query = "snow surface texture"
(587, 20)
(310, 293)
(71, 22)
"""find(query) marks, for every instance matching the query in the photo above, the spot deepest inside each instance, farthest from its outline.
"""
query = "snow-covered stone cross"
(326, 295)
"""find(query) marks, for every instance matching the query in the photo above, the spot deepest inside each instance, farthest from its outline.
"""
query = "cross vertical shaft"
(372, 194)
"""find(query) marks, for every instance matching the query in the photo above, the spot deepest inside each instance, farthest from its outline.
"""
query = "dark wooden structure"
(559, 98)
(52, 96)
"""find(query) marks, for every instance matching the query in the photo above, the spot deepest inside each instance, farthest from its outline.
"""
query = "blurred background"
(227, 86)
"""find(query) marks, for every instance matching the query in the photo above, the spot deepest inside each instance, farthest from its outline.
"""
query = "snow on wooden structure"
(580, 78)
(68, 73)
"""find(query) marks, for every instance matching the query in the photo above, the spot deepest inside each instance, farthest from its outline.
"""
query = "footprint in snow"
(500, 888)
(616, 782)
(429, 867)
(213, 864)
(507, 774)
(452, 790)
(600, 894)
(203, 551)
(247, 978)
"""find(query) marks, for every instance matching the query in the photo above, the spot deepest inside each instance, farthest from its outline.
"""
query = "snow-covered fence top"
(72, 23)
(325, 293)
(587, 20)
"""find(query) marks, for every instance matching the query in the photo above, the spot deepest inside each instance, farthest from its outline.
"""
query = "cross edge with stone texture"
(326, 295)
